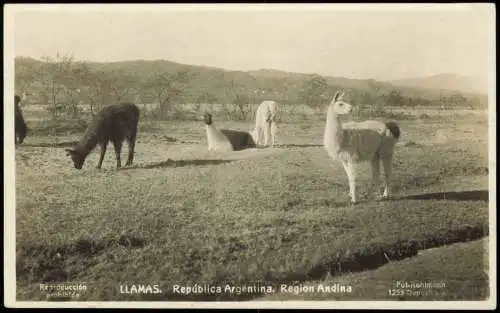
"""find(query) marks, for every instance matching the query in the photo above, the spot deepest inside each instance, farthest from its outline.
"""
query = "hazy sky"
(377, 43)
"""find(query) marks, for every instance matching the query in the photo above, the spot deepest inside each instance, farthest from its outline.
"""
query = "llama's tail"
(394, 129)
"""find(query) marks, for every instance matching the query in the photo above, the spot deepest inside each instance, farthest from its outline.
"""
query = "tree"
(52, 73)
(239, 97)
(206, 97)
(373, 86)
(314, 91)
(105, 87)
(166, 88)
(87, 85)
(395, 98)
(122, 84)
(241, 100)
(25, 75)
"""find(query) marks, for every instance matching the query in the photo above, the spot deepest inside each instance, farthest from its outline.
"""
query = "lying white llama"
(265, 124)
(226, 139)
(215, 138)
(356, 142)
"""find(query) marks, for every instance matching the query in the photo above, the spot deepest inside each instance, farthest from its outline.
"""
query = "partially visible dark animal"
(115, 123)
(21, 129)
(239, 139)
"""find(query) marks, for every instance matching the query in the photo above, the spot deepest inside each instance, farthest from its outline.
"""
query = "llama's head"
(339, 106)
(207, 118)
(17, 99)
(77, 157)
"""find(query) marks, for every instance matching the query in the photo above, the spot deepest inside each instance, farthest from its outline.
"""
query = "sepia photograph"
(250, 156)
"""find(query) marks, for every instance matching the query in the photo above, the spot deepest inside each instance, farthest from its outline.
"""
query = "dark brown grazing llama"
(21, 129)
(115, 123)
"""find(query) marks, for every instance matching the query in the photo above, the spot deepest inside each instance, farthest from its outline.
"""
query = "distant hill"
(446, 81)
(217, 84)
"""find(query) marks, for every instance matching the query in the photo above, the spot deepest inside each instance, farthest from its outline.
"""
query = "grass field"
(184, 216)
(454, 281)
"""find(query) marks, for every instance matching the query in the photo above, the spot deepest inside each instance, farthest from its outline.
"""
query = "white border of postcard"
(9, 164)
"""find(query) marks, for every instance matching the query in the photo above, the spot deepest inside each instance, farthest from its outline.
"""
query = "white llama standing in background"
(356, 142)
(265, 124)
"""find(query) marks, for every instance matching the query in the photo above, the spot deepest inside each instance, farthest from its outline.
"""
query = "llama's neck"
(210, 129)
(87, 144)
(212, 135)
(333, 131)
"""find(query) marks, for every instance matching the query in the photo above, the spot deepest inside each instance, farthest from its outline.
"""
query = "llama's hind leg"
(103, 152)
(257, 133)
(131, 147)
(375, 165)
(387, 163)
(350, 170)
(118, 149)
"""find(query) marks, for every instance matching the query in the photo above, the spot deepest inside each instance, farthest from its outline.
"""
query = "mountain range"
(448, 81)
(215, 80)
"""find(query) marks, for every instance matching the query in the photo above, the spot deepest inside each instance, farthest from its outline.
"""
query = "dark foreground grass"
(181, 216)
(434, 274)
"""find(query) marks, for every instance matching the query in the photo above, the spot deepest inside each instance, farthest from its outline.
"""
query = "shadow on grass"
(51, 145)
(297, 145)
(170, 139)
(176, 163)
(473, 195)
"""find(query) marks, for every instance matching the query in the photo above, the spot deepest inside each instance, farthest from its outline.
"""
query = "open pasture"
(453, 281)
(182, 215)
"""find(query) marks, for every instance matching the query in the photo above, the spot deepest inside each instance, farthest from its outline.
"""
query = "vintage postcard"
(250, 155)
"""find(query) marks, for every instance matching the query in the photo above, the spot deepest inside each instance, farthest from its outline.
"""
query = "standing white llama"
(356, 142)
(265, 124)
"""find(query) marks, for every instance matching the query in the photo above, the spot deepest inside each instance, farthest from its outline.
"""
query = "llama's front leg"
(118, 149)
(103, 152)
(266, 134)
(387, 163)
(257, 136)
(350, 170)
(375, 164)
(273, 133)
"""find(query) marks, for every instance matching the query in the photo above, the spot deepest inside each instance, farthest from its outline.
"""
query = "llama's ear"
(339, 95)
(336, 97)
